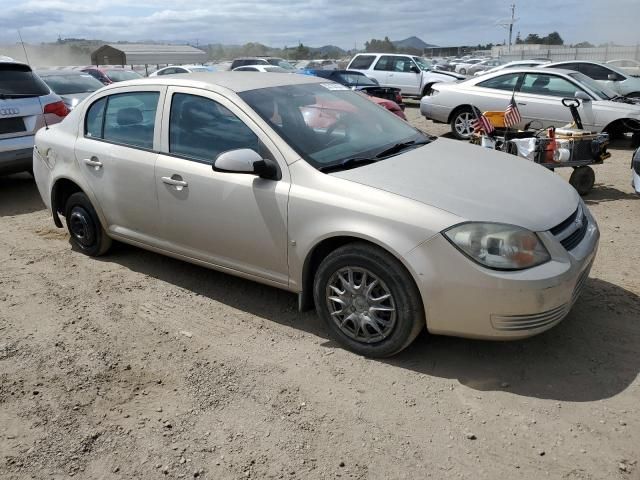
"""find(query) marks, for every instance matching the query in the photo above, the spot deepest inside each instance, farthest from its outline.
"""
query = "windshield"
(202, 69)
(354, 79)
(281, 63)
(423, 63)
(275, 69)
(603, 92)
(327, 124)
(122, 75)
(72, 83)
(18, 79)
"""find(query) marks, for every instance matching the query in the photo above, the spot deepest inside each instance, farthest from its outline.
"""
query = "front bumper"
(464, 299)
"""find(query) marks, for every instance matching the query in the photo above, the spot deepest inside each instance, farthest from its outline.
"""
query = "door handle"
(176, 182)
(93, 162)
(521, 103)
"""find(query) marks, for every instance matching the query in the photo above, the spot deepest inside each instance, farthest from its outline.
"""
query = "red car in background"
(109, 75)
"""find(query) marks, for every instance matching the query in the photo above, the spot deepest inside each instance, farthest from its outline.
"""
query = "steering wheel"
(343, 120)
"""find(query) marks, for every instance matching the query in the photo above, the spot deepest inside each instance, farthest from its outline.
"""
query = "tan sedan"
(384, 229)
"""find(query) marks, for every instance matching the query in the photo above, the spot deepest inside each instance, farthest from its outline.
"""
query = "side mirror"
(245, 160)
(612, 76)
(414, 69)
(582, 96)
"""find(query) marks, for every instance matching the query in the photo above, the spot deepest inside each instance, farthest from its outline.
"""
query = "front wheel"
(368, 300)
(461, 124)
(87, 234)
(463, 71)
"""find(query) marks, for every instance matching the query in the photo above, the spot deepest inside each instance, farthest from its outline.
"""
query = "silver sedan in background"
(538, 93)
(303, 184)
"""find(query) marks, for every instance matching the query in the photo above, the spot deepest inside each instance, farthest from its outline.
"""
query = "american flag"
(481, 124)
(512, 114)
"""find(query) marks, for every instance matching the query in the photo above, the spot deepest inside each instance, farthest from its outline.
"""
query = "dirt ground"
(139, 366)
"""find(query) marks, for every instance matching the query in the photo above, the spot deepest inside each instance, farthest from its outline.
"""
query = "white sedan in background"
(538, 93)
(514, 64)
(174, 69)
(631, 67)
(607, 75)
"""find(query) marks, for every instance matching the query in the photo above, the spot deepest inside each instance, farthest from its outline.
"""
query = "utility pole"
(513, 19)
(508, 23)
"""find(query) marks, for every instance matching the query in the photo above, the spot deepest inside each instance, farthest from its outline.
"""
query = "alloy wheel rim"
(361, 305)
(81, 226)
(463, 124)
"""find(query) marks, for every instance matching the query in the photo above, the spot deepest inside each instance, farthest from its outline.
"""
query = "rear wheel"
(368, 300)
(582, 179)
(84, 226)
(463, 71)
(461, 123)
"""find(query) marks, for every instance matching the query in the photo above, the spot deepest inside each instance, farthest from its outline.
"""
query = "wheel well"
(315, 258)
(622, 125)
(427, 88)
(60, 193)
(456, 110)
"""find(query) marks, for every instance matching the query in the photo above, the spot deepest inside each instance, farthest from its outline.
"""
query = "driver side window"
(201, 129)
(548, 85)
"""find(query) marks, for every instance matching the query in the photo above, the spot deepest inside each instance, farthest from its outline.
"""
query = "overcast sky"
(316, 22)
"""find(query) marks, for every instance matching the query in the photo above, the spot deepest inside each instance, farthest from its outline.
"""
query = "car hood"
(474, 183)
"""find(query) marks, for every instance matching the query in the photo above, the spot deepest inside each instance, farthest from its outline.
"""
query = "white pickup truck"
(414, 76)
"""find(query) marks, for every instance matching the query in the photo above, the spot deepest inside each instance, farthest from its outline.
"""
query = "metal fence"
(599, 54)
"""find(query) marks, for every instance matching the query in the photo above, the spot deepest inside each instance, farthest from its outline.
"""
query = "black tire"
(86, 232)
(408, 318)
(634, 95)
(455, 129)
(582, 179)
(463, 71)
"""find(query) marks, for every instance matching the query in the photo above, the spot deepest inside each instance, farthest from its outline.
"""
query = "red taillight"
(57, 108)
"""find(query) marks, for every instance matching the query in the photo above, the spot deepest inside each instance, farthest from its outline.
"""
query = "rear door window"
(129, 119)
(95, 119)
(18, 79)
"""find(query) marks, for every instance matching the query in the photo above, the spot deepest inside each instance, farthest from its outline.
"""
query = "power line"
(508, 23)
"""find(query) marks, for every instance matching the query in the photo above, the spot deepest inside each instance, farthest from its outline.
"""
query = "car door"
(231, 220)
(540, 97)
(402, 73)
(116, 153)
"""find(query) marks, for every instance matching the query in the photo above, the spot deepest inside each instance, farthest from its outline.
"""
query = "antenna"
(508, 23)
(33, 76)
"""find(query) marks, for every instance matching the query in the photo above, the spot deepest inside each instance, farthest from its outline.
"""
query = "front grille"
(529, 322)
(572, 230)
(11, 125)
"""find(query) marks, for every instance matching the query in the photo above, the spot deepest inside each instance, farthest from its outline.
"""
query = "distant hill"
(328, 50)
(412, 42)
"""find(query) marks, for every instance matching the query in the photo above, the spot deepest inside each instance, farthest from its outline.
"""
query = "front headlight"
(498, 246)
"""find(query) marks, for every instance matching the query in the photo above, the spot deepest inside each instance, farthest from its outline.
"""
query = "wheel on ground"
(368, 300)
(461, 124)
(582, 179)
(84, 226)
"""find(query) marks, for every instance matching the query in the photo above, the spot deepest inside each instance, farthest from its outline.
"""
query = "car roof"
(234, 81)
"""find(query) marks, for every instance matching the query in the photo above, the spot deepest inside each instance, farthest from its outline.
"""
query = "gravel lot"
(139, 366)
